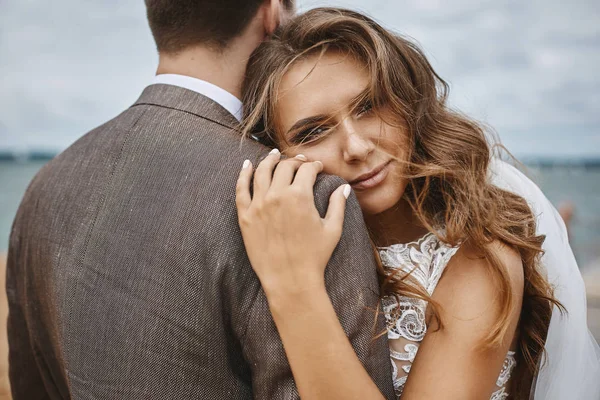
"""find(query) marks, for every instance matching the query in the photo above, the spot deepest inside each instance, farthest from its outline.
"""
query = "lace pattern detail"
(425, 261)
(499, 395)
(406, 319)
(509, 364)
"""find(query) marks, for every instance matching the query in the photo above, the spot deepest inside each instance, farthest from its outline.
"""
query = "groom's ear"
(276, 13)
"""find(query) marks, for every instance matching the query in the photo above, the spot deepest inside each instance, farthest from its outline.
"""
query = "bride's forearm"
(322, 359)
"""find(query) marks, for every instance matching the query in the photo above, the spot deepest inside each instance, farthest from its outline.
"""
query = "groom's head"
(180, 24)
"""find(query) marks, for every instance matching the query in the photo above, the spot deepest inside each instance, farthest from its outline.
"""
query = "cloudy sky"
(530, 69)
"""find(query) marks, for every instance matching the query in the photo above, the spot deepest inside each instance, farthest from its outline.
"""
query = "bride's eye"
(309, 135)
(364, 108)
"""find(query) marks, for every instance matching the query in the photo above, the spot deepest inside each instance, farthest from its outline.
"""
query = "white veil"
(572, 367)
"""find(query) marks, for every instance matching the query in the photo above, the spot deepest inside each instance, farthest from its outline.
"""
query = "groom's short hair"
(178, 24)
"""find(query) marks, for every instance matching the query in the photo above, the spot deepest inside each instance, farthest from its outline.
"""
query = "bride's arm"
(451, 363)
(322, 360)
(289, 245)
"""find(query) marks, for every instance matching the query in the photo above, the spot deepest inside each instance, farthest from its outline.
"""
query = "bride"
(473, 311)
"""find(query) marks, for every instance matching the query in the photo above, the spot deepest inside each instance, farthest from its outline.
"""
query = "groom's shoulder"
(166, 132)
(186, 149)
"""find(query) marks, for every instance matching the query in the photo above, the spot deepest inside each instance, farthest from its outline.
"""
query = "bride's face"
(318, 114)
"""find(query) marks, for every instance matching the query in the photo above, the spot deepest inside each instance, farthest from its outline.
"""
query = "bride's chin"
(382, 198)
(374, 205)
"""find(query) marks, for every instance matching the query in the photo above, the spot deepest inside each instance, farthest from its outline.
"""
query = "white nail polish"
(274, 151)
(347, 190)
(246, 164)
(301, 157)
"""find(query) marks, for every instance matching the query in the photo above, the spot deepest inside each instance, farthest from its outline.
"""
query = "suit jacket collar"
(185, 100)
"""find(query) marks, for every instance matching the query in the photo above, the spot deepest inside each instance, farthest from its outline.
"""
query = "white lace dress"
(426, 260)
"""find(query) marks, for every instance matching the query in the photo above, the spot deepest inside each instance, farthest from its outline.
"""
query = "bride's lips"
(372, 178)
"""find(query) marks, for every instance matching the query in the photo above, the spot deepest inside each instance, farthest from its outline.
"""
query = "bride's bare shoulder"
(470, 286)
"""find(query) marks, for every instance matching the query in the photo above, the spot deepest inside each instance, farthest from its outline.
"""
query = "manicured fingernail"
(246, 164)
(319, 162)
(347, 190)
(301, 157)
(274, 151)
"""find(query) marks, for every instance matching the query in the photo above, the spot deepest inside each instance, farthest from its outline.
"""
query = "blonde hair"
(448, 163)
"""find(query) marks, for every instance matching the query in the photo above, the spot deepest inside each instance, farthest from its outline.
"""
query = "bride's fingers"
(242, 187)
(264, 174)
(285, 171)
(307, 175)
(334, 219)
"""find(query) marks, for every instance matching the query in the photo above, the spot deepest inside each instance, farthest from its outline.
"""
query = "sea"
(575, 183)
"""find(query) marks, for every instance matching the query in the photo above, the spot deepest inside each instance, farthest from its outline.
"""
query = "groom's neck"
(224, 69)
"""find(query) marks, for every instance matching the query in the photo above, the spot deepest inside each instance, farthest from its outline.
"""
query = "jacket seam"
(187, 112)
(99, 209)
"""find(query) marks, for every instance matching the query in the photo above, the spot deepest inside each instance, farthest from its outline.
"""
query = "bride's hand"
(287, 241)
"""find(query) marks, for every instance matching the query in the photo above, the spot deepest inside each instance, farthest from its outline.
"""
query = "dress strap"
(440, 260)
(425, 259)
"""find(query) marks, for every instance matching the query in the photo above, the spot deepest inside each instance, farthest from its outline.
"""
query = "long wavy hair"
(449, 155)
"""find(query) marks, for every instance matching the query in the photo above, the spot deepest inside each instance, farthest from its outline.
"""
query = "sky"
(529, 69)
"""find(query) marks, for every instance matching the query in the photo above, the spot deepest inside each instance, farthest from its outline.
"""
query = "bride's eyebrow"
(354, 103)
(306, 121)
(360, 98)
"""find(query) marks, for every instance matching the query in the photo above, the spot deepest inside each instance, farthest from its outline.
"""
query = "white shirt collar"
(213, 92)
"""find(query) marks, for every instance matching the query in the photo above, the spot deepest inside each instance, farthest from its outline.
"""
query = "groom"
(127, 275)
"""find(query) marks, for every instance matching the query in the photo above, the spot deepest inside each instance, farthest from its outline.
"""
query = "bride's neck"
(395, 225)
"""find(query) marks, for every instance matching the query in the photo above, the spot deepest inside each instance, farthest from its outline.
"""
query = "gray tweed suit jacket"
(127, 276)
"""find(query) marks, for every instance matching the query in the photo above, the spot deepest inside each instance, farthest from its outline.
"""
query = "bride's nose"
(357, 146)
